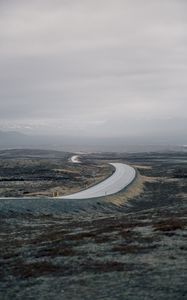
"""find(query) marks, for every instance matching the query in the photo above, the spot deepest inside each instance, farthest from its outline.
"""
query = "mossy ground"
(133, 251)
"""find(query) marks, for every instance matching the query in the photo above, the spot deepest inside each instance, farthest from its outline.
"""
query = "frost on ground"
(99, 250)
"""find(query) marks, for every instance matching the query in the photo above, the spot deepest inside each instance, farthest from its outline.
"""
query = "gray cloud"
(94, 67)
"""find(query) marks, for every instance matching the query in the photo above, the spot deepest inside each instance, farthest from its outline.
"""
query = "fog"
(97, 68)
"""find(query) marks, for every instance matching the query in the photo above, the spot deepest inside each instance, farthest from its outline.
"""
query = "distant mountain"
(13, 140)
(5, 134)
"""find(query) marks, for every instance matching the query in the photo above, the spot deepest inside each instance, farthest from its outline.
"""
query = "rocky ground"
(100, 249)
(25, 173)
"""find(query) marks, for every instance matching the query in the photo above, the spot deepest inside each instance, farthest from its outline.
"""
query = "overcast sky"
(94, 67)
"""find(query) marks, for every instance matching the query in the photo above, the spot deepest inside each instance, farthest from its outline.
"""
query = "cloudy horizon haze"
(97, 68)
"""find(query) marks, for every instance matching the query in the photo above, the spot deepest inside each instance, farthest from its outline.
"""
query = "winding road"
(75, 159)
(121, 178)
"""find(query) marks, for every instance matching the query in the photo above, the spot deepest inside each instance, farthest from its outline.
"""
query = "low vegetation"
(135, 251)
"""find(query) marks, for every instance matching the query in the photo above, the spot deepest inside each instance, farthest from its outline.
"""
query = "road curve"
(121, 178)
(75, 159)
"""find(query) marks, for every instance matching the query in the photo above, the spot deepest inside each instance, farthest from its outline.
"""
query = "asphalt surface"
(75, 159)
(122, 177)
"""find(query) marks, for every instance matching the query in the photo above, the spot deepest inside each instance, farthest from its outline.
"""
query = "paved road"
(75, 159)
(122, 177)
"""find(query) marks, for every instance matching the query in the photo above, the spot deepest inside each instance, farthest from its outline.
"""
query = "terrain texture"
(25, 173)
(128, 246)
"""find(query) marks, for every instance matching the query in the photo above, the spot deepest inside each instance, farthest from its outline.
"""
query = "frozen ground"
(91, 249)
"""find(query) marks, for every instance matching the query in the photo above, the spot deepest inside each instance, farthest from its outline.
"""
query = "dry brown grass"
(135, 189)
(56, 250)
(171, 224)
(108, 266)
(133, 249)
(143, 167)
(35, 269)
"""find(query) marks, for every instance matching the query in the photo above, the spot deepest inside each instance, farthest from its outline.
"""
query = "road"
(121, 178)
(75, 159)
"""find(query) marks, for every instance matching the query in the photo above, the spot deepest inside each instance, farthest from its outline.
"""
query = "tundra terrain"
(128, 246)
